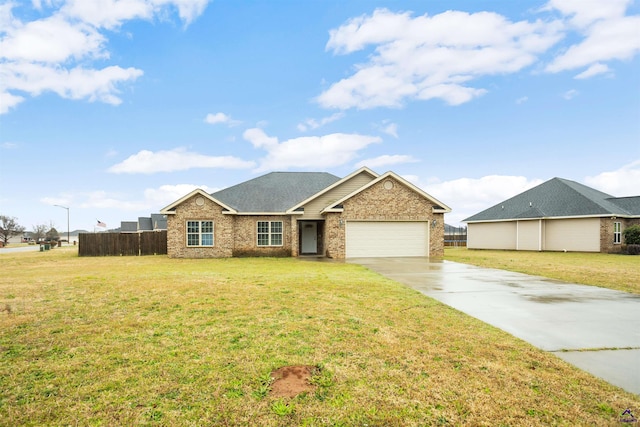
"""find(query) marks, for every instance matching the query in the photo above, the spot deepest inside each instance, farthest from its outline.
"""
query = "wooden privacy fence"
(123, 244)
(455, 239)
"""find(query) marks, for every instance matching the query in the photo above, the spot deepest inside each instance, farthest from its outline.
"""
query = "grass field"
(620, 272)
(158, 341)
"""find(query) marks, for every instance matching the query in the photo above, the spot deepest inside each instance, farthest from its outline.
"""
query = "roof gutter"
(613, 216)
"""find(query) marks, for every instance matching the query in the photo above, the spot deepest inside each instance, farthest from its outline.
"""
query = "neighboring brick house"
(308, 213)
(557, 215)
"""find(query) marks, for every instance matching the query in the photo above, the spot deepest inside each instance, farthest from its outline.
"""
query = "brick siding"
(236, 235)
(606, 233)
(246, 236)
(378, 203)
(223, 230)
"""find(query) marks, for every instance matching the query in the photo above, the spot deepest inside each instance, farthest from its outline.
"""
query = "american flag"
(102, 224)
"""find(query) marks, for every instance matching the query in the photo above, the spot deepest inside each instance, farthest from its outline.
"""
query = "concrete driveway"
(595, 329)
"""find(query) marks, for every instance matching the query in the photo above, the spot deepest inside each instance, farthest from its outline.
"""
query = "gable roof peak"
(170, 209)
(438, 207)
(357, 172)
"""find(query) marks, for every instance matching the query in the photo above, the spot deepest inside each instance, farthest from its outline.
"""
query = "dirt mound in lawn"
(290, 381)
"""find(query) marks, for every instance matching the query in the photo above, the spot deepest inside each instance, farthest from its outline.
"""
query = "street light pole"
(65, 207)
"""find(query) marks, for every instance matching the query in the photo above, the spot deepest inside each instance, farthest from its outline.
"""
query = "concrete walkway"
(595, 329)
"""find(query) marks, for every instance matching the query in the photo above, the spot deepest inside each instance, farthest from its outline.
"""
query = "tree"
(9, 227)
(632, 235)
(53, 234)
(39, 231)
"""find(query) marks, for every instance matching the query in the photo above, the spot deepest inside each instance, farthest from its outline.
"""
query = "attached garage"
(387, 239)
(581, 234)
(492, 235)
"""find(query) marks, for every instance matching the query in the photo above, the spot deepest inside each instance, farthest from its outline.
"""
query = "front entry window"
(199, 233)
(269, 233)
(617, 233)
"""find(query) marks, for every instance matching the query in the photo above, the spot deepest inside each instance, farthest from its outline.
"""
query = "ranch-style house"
(308, 213)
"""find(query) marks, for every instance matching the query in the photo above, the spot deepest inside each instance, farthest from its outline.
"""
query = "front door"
(309, 238)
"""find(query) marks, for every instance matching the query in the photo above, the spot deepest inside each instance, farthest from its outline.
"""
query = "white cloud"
(312, 152)
(175, 160)
(107, 14)
(607, 34)
(55, 53)
(52, 201)
(468, 196)
(421, 58)
(223, 118)
(594, 70)
(166, 194)
(52, 40)
(522, 100)
(8, 101)
(388, 128)
(386, 160)
(76, 83)
(621, 182)
(452, 94)
(259, 139)
(314, 124)
(103, 200)
(113, 207)
(188, 10)
(570, 94)
(582, 13)
(111, 153)
(8, 145)
(111, 14)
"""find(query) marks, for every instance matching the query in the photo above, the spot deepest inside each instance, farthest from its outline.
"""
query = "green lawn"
(620, 272)
(158, 341)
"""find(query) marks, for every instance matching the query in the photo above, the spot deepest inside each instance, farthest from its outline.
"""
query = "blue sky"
(117, 108)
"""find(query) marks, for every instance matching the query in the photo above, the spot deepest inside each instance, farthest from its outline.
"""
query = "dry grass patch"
(156, 341)
(620, 272)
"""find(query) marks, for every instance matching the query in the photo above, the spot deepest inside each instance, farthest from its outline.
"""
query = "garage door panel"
(387, 239)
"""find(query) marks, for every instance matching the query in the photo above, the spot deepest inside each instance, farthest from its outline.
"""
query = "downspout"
(540, 235)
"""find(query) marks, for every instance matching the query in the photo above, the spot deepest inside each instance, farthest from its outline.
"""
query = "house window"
(617, 233)
(199, 233)
(269, 233)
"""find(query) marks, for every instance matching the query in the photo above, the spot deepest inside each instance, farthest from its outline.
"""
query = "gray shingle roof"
(630, 204)
(128, 226)
(144, 223)
(159, 221)
(275, 191)
(559, 198)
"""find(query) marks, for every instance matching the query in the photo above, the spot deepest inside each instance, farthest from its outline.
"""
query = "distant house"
(557, 215)
(158, 221)
(308, 213)
(27, 237)
(154, 223)
(145, 224)
(128, 226)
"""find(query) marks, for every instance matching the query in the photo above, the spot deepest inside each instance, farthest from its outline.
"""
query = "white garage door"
(387, 239)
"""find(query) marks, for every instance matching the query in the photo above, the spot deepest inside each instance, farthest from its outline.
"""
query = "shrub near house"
(632, 239)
